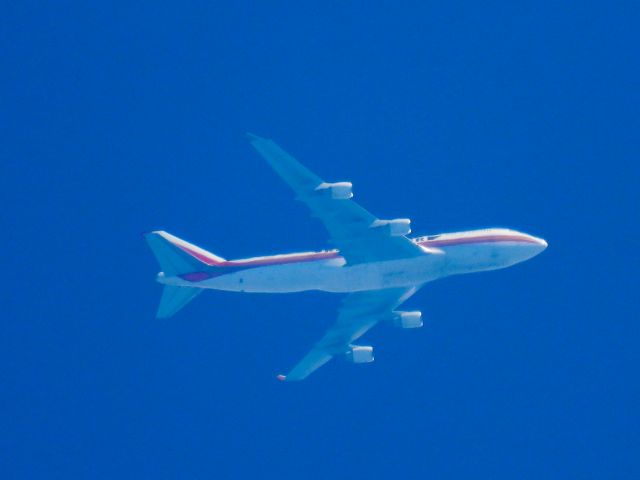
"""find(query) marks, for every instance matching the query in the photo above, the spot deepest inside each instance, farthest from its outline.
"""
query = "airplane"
(375, 263)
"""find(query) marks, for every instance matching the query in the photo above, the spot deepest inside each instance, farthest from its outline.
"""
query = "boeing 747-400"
(375, 264)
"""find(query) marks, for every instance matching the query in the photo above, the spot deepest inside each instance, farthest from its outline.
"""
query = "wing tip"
(253, 138)
(281, 377)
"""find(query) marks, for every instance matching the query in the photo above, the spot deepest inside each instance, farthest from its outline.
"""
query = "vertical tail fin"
(176, 258)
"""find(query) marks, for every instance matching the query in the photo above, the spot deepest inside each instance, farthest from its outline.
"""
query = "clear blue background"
(125, 118)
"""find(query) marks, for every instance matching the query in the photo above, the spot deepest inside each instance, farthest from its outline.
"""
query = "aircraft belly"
(296, 277)
(330, 276)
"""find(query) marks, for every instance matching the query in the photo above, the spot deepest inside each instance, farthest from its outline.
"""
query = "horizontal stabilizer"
(178, 258)
(174, 298)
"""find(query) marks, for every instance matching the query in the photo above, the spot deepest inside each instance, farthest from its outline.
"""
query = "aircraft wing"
(359, 235)
(359, 312)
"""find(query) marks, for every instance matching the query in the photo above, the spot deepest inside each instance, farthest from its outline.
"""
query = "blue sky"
(122, 118)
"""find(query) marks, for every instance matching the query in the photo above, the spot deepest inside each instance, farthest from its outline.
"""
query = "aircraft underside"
(324, 275)
(376, 264)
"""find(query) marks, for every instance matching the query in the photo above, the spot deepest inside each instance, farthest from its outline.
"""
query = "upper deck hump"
(489, 235)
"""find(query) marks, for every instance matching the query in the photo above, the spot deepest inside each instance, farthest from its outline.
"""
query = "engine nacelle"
(337, 191)
(397, 227)
(360, 354)
(407, 319)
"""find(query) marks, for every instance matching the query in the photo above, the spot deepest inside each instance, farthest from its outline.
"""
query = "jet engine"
(397, 227)
(407, 319)
(337, 191)
(360, 354)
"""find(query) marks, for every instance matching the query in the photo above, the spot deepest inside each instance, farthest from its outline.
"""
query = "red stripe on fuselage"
(315, 256)
(276, 260)
(449, 242)
(259, 262)
(203, 258)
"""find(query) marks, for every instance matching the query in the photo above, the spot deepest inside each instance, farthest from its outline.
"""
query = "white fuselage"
(447, 254)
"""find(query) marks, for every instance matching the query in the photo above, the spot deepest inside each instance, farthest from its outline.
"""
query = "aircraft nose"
(538, 246)
(529, 247)
(542, 242)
